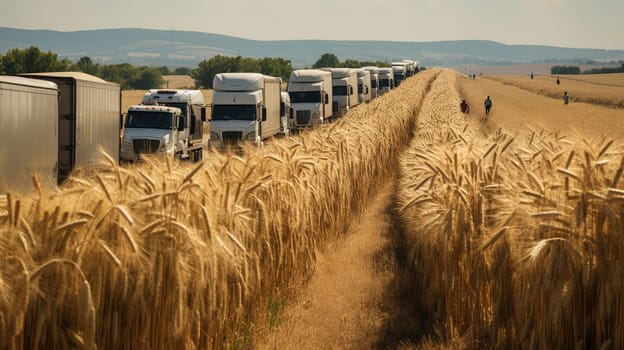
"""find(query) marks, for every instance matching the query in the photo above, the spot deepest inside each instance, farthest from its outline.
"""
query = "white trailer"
(399, 70)
(386, 80)
(311, 96)
(89, 117)
(344, 86)
(245, 107)
(146, 130)
(374, 75)
(28, 133)
(364, 83)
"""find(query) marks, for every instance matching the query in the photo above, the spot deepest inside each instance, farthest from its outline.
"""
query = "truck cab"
(399, 70)
(310, 92)
(364, 85)
(374, 76)
(146, 126)
(153, 129)
(245, 107)
(344, 82)
(386, 80)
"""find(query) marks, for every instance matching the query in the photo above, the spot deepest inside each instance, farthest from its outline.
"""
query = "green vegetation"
(207, 69)
(33, 60)
(565, 70)
(128, 76)
(605, 70)
(331, 60)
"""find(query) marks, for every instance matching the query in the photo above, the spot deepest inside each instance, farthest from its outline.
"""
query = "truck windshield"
(384, 83)
(360, 88)
(305, 97)
(373, 84)
(339, 90)
(233, 112)
(149, 120)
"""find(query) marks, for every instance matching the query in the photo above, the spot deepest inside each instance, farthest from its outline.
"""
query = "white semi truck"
(374, 75)
(28, 133)
(245, 107)
(167, 122)
(364, 83)
(344, 83)
(89, 113)
(399, 70)
(411, 67)
(311, 96)
(386, 80)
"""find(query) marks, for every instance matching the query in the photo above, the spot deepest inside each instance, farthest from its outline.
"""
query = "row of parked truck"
(52, 123)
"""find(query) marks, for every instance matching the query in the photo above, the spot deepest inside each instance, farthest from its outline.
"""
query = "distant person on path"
(465, 108)
(558, 81)
(488, 105)
(531, 75)
(566, 98)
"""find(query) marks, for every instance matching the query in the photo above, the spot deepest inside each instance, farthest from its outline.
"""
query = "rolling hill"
(185, 48)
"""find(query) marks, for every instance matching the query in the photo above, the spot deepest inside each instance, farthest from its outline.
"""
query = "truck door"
(259, 119)
(67, 129)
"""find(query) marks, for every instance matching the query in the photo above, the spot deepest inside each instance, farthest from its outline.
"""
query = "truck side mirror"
(350, 90)
(179, 124)
(203, 114)
(326, 98)
(264, 114)
(122, 117)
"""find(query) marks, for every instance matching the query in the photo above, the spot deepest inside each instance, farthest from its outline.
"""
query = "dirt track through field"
(343, 305)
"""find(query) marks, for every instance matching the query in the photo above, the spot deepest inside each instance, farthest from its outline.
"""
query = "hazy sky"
(568, 23)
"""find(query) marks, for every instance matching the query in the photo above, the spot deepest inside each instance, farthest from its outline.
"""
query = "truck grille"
(232, 137)
(145, 146)
(303, 117)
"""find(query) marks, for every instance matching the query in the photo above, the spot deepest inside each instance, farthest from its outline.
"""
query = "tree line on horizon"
(577, 70)
(128, 76)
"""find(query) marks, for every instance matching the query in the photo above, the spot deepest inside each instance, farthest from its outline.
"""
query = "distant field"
(601, 89)
(178, 82)
(520, 104)
(520, 69)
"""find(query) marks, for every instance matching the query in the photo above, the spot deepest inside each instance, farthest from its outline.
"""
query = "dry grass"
(516, 110)
(166, 255)
(603, 89)
(178, 82)
(515, 241)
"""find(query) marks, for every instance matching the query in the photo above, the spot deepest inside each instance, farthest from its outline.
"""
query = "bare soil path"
(343, 306)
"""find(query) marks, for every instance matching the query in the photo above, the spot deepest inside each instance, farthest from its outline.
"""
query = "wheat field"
(168, 255)
(599, 89)
(514, 240)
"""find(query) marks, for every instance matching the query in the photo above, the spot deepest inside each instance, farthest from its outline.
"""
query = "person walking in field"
(465, 107)
(531, 75)
(488, 105)
(566, 98)
(558, 81)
